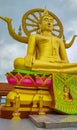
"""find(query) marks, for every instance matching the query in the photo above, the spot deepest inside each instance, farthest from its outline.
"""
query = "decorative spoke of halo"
(35, 17)
(57, 30)
(33, 30)
(29, 24)
(31, 21)
(55, 24)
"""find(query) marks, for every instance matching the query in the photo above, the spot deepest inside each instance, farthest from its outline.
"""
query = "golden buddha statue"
(45, 52)
(38, 88)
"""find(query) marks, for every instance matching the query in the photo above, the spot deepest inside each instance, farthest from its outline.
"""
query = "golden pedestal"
(31, 94)
(29, 99)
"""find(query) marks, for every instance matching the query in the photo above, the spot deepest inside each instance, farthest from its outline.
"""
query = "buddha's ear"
(39, 26)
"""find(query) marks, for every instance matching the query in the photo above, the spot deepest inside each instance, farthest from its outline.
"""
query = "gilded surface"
(46, 54)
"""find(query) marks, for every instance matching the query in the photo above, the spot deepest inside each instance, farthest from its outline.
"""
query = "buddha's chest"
(47, 43)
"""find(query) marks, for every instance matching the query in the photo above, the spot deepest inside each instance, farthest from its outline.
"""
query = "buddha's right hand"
(28, 60)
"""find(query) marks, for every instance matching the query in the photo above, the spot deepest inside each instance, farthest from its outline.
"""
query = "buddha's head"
(46, 22)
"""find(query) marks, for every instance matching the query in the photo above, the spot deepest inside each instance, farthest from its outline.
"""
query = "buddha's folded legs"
(54, 67)
(49, 67)
(69, 70)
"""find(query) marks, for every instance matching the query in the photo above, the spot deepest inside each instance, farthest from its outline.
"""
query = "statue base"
(40, 93)
(54, 121)
(26, 102)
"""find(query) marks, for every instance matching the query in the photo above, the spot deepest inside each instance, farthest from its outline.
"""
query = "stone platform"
(54, 121)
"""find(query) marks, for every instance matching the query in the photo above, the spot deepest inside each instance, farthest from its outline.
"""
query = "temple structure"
(44, 80)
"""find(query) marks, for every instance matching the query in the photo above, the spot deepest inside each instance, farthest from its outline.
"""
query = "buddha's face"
(46, 24)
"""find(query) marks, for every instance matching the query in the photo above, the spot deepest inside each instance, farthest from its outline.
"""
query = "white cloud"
(8, 53)
(73, 4)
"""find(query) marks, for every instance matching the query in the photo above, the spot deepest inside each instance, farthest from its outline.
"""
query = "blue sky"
(11, 49)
